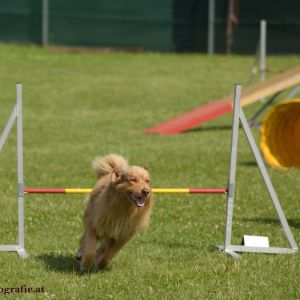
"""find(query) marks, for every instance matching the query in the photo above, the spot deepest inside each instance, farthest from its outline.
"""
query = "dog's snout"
(145, 192)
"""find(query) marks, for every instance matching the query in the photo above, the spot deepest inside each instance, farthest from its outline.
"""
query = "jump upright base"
(17, 115)
(228, 248)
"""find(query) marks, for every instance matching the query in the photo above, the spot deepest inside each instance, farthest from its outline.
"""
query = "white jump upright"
(228, 247)
(238, 116)
(17, 115)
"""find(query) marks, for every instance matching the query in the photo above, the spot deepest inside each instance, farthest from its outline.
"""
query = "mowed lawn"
(80, 105)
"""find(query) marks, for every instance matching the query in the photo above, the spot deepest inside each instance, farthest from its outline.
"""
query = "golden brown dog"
(118, 207)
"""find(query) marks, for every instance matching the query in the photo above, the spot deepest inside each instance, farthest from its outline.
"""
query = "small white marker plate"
(256, 241)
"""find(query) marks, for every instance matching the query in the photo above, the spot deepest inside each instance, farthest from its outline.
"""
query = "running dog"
(118, 207)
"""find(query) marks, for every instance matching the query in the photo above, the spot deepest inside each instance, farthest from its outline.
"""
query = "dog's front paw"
(87, 263)
(86, 267)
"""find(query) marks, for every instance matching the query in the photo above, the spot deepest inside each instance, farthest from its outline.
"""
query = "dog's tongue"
(139, 201)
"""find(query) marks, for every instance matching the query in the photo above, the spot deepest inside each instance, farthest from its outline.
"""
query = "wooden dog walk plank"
(271, 86)
(222, 106)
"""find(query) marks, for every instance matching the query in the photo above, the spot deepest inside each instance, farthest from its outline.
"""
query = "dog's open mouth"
(137, 200)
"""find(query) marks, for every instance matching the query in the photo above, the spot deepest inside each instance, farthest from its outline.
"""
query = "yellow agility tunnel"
(280, 135)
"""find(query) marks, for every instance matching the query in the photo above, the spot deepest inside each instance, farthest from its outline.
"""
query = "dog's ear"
(146, 168)
(116, 176)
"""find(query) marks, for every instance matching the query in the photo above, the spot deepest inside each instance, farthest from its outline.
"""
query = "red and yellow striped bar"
(154, 190)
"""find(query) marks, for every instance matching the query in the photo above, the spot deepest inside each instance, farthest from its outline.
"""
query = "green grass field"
(78, 106)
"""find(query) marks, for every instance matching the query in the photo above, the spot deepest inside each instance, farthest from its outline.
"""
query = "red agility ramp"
(193, 118)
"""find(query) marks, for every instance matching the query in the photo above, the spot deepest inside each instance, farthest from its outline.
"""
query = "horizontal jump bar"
(154, 190)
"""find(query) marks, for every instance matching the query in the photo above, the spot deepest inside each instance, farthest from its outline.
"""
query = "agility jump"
(228, 248)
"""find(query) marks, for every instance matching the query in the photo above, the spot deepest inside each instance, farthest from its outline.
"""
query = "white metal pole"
(211, 27)
(21, 251)
(232, 171)
(263, 49)
(8, 127)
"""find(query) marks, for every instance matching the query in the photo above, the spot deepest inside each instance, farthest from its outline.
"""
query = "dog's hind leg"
(89, 251)
(107, 250)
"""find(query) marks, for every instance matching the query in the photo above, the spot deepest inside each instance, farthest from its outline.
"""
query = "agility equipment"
(222, 106)
(154, 190)
(228, 248)
(280, 135)
(17, 115)
(239, 117)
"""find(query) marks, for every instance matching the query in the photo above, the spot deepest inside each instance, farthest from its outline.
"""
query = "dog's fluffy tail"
(109, 163)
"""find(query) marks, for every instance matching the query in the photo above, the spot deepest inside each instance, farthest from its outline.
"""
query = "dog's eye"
(133, 180)
(147, 180)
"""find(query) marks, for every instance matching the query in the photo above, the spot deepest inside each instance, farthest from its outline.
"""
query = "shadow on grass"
(209, 128)
(249, 163)
(63, 264)
(292, 222)
(60, 263)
